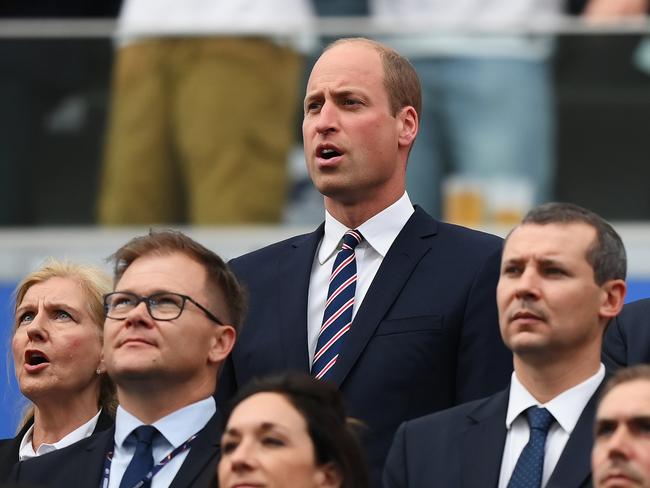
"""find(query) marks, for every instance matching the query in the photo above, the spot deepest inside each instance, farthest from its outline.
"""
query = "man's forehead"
(631, 398)
(346, 63)
(159, 271)
(555, 239)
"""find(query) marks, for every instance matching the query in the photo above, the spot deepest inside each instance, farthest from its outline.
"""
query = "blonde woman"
(56, 345)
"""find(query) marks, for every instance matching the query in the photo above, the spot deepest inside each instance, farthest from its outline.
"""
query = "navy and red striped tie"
(338, 308)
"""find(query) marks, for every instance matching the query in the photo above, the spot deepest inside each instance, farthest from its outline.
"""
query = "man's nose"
(327, 118)
(528, 284)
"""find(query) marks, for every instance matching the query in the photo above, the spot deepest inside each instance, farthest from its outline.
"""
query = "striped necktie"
(338, 307)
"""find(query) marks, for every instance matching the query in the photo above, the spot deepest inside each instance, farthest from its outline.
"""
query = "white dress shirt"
(27, 451)
(566, 408)
(379, 232)
(176, 428)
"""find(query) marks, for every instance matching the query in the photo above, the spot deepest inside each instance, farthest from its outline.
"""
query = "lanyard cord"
(109, 459)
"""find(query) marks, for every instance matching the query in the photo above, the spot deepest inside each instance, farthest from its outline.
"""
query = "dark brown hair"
(321, 405)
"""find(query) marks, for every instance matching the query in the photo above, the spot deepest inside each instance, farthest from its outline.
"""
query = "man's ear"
(223, 340)
(407, 125)
(613, 297)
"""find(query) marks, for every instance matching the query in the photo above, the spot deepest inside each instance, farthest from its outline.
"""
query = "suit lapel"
(292, 292)
(200, 465)
(89, 467)
(574, 466)
(482, 443)
(411, 244)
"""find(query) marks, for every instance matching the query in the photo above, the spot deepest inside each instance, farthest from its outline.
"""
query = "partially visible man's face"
(547, 296)
(621, 453)
(351, 140)
(142, 348)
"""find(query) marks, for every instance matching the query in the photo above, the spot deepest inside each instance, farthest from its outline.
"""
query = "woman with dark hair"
(57, 351)
(287, 431)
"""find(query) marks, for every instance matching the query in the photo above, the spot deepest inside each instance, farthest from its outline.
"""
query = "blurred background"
(117, 116)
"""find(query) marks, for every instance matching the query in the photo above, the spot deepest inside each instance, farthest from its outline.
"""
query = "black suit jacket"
(627, 338)
(462, 447)
(426, 336)
(80, 465)
(9, 447)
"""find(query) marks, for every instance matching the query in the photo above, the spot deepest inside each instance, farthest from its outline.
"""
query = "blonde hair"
(94, 283)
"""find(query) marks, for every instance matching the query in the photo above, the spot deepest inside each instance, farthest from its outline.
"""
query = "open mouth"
(328, 152)
(34, 358)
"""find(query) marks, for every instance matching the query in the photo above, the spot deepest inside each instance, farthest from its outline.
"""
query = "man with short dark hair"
(390, 305)
(170, 323)
(562, 280)
(621, 454)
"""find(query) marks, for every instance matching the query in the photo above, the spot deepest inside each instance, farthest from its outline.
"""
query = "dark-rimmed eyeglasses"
(161, 306)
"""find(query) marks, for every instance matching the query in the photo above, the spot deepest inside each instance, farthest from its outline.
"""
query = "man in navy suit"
(621, 454)
(423, 330)
(562, 280)
(165, 339)
(627, 340)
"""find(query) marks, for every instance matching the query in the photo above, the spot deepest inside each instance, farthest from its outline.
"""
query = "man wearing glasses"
(170, 324)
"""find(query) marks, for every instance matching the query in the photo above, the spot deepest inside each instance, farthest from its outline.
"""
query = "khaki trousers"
(199, 132)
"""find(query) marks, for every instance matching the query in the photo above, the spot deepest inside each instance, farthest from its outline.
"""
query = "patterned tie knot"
(144, 434)
(539, 418)
(352, 239)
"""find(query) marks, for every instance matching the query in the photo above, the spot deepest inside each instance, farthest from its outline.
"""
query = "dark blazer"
(80, 465)
(9, 447)
(627, 338)
(426, 336)
(463, 446)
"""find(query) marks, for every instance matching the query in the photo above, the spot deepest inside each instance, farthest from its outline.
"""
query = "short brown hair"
(607, 253)
(221, 280)
(400, 78)
(626, 375)
(94, 283)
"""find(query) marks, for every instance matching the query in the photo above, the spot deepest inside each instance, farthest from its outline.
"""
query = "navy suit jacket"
(9, 448)
(462, 447)
(627, 338)
(426, 336)
(80, 465)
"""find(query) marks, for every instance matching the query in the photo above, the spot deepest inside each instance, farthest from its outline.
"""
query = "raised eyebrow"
(232, 432)
(23, 308)
(511, 261)
(550, 262)
(600, 423)
(310, 97)
(640, 419)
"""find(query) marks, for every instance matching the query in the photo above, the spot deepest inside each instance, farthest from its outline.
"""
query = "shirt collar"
(176, 427)
(27, 451)
(378, 232)
(566, 408)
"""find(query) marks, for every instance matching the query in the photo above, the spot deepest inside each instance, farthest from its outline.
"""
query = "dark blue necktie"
(530, 465)
(338, 308)
(142, 461)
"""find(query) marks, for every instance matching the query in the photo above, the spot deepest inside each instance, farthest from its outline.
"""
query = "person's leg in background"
(235, 125)
(141, 183)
